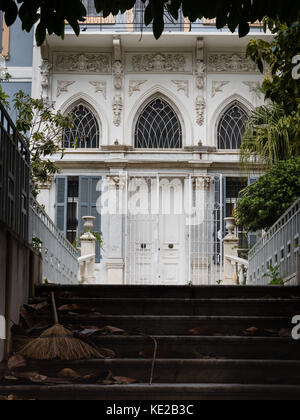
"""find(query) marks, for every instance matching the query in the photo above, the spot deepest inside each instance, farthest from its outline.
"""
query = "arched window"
(232, 127)
(85, 131)
(158, 127)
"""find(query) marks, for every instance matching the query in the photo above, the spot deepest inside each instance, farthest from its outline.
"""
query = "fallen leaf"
(112, 330)
(285, 333)
(202, 331)
(34, 377)
(11, 378)
(75, 308)
(37, 307)
(68, 374)
(15, 362)
(122, 380)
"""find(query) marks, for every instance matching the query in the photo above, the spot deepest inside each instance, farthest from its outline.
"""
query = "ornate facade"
(170, 115)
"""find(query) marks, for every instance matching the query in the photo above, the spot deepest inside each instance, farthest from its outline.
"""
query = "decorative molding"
(200, 109)
(63, 86)
(100, 87)
(135, 86)
(116, 182)
(217, 87)
(182, 85)
(159, 63)
(230, 63)
(202, 183)
(117, 109)
(118, 73)
(87, 63)
(45, 69)
(254, 88)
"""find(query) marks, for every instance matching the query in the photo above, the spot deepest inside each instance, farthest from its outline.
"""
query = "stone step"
(213, 307)
(181, 292)
(184, 371)
(188, 347)
(173, 325)
(157, 392)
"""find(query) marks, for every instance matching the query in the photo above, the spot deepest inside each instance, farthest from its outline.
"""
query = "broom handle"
(54, 309)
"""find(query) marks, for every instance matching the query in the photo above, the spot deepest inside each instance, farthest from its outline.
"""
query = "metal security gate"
(174, 230)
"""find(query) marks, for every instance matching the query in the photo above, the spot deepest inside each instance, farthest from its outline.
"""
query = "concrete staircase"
(213, 343)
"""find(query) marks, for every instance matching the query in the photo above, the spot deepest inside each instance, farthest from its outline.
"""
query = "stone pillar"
(44, 196)
(230, 248)
(88, 252)
(115, 261)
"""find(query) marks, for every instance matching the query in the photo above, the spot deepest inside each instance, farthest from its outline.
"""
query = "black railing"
(14, 177)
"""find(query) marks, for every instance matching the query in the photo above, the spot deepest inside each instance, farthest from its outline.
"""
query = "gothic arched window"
(158, 127)
(232, 127)
(85, 131)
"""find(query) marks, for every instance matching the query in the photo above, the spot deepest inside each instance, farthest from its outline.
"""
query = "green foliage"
(261, 204)
(51, 15)
(269, 137)
(42, 130)
(276, 58)
(275, 276)
(36, 244)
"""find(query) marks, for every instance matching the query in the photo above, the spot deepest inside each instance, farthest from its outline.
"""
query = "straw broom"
(58, 343)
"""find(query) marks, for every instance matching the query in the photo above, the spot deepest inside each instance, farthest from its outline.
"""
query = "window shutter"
(220, 209)
(89, 193)
(61, 203)
(253, 237)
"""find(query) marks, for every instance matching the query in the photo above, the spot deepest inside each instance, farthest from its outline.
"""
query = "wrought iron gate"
(174, 230)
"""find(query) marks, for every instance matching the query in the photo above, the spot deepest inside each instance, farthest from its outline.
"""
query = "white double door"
(156, 246)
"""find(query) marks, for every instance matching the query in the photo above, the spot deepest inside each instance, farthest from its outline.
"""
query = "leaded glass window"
(232, 127)
(85, 131)
(158, 127)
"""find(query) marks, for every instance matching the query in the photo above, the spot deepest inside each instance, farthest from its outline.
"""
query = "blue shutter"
(89, 193)
(61, 203)
(253, 237)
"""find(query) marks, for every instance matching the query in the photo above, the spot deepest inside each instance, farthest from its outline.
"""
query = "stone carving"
(254, 88)
(45, 74)
(182, 85)
(135, 86)
(100, 87)
(202, 183)
(217, 87)
(116, 182)
(200, 74)
(117, 109)
(159, 63)
(83, 63)
(118, 73)
(200, 109)
(230, 63)
(63, 86)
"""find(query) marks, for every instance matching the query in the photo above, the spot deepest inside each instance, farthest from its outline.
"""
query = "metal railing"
(277, 248)
(133, 21)
(14, 177)
(60, 258)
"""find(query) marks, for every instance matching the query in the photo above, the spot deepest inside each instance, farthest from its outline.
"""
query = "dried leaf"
(15, 362)
(34, 377)
(108, 353)
(11, 378)
(37, 307)
(75, 308)
(202, 331)
(112, 330)
(68, 374)
(122, 380)
(285, 333)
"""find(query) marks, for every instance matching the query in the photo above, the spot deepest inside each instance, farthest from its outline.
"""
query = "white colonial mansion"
(154, 152)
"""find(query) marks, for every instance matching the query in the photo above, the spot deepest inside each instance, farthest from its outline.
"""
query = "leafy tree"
(42, 130)
(261, 204)
(277, 58)
(269, 137)
(51, 15)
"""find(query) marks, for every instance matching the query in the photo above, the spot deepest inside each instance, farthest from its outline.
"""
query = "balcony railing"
(280, 247)
(133, 21)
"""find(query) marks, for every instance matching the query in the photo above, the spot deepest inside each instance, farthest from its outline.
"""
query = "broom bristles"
(59, 343)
